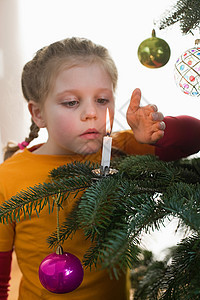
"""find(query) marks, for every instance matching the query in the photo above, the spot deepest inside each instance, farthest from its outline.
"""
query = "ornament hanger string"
(57, 217)
(57, 200)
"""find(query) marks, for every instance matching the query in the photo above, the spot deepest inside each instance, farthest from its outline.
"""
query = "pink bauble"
(61, 273)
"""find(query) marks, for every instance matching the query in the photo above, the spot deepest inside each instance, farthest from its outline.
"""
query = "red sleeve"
(5, 268)
(181, 138)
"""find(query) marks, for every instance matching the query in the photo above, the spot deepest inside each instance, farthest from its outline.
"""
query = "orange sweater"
(29, 236)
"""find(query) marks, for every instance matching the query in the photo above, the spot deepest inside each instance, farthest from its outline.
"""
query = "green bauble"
(153, 52)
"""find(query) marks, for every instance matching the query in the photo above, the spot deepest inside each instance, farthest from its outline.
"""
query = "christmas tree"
(184, 12)
(114, 211)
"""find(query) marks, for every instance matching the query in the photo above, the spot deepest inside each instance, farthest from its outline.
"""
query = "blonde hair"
(39, 73)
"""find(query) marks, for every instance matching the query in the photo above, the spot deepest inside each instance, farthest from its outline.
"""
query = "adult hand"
(146, 122)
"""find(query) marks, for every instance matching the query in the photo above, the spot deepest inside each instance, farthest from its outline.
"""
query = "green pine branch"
(37, 197)
(186, 12)
(129, 200)
(73, 169)
(114, 211)
(183, 201)
(176, 280)
(182, 275)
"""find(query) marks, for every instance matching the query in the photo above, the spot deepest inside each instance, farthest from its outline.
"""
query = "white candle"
(107, 144)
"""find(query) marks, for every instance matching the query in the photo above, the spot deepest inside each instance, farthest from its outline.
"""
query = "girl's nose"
(89, 112)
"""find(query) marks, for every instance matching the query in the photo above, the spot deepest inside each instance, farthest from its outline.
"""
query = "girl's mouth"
(90, 134)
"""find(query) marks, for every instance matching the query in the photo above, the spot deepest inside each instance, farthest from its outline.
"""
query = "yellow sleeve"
(126, 142)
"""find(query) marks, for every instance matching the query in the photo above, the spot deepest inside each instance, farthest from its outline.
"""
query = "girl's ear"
(36, 113)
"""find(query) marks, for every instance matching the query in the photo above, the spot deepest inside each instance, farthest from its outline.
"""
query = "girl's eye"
(102, 101)
(70, 103)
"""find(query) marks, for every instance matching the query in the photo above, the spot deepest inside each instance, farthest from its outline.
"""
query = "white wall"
(27, 25)
(12, 117)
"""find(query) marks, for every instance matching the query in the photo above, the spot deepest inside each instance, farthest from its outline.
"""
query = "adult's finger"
(157, 116)
(135, 100)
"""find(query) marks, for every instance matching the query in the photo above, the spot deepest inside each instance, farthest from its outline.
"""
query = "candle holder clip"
(103, 172)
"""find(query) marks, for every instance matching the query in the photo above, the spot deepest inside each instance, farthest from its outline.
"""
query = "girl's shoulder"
(22, 170)
(22, 162)
(15, 158)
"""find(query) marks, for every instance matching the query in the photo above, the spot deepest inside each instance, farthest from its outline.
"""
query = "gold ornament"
(154, 52)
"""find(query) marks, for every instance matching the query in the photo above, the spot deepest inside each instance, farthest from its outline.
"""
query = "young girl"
(68, 86)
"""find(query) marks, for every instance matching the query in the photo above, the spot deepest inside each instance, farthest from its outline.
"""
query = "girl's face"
(74, 113)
